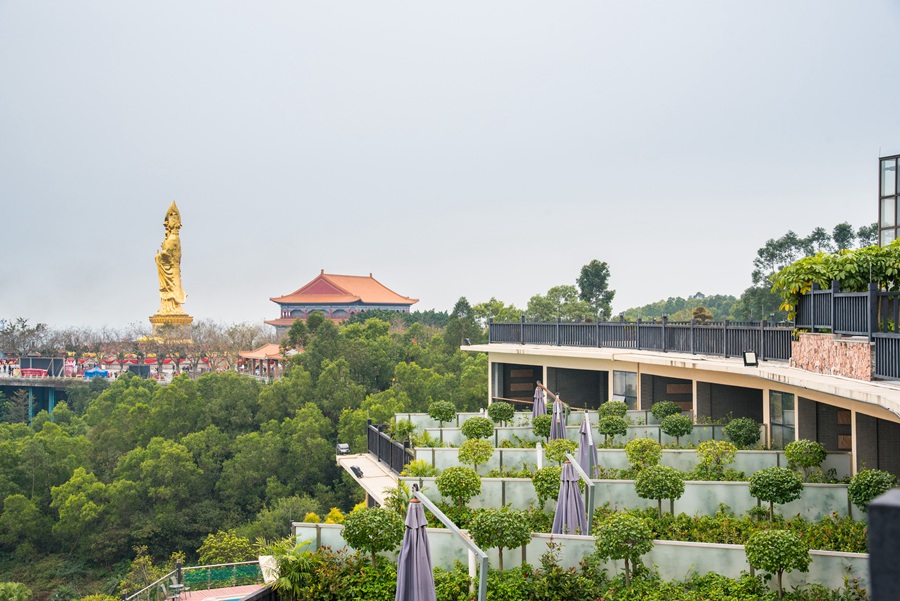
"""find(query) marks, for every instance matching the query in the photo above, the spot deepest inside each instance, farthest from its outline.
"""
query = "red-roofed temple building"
(338, 297)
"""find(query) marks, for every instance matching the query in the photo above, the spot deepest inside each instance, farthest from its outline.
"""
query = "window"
(625, 385)
(888, 199)
(781, 415)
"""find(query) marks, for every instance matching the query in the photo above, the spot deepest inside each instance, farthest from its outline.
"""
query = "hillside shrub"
(501, 412)
(540, 426)
(442, 411)
(373, 530)
(777, 551)
(610, 427)
(459, 484)
(643, 453)
(478, 427)
(805, 454)
(659, 482)
(677, 425)
(664, 409)
(476, 451)
(776, 485)
(556, 449)
(546, 483)
(715, 456)
(503, 528)
(613, 409)
(623, 536)
(743, 432)
(866, 485)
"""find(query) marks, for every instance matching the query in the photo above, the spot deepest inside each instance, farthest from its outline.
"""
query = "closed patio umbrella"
(415, 578)
(569, 517)
(539, 407)
(558, 423)
(587, 450)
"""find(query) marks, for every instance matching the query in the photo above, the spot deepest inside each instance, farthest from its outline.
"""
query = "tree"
(19, 338)
(373, 529)
(225, 546)
(560, 302)
(866, 485)
(664, 409)
(593, 286)
(743, 432)
(659, 482)
(777, 551)
(843, 236)
(503, 528)
(714, 456)
(701, 314)
(676, 425)
(294, 562)
(557, 448)
(495, 310)
(643, 453)
(540, 425)
(462, 325)
(442, 411)
(546, 483)
(623, 536)
(475, 451)
(459, 484)
(613, 408)
(501, 412)
(612, 426)
(805, 454)
(776, 485)
(477, 427)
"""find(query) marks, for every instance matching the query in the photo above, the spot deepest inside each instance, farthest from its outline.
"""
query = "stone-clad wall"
(827, 354)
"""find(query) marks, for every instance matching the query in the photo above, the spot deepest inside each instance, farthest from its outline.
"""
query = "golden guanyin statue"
(168, 264)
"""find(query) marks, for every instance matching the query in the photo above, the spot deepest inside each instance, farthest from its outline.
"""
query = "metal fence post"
(812, 302)
(522, 329)
(637, 334)
(665, 320)
(725, 339)
(693, 321)
(762, 340)
(872, 299)
(558, 319)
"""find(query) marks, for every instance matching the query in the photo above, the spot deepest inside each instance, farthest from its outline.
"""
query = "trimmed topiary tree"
(776, 485)
(664, 409)
(613, 408)
(501, 412)
(777, 551)
(476, 451)
(612, 426)
(677, 425)
(643, 453)
(540, 426)
(556, 449)
(459, 483)
(869, 484)
(478, 427)
(805, 454)
(503, 528)
(623, 536)
(546, 483)
(715, 456)
(442, 411)
(373, 529)
(743, 432)
(659, 482)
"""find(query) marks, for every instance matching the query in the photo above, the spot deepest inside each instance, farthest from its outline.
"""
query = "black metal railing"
(387, 450)
(724, 338)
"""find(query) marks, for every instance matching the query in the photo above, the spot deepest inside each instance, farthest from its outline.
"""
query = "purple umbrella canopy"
(587, 450)
(415, 578)
(558, 423)
(539, 407)
(569, 517)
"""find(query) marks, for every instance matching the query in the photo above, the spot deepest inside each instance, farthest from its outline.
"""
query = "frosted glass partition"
(523, 418)
(673, 559)
(700, 498)
(502, 458)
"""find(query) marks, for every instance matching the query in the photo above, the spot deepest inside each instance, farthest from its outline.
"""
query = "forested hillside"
(135, 464)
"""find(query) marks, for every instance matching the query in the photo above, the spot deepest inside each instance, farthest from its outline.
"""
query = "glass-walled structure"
(783, 419)
(888, 198)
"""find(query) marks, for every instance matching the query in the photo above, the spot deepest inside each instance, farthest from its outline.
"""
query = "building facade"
(337, 297)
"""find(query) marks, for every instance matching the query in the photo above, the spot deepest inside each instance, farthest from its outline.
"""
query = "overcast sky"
(452, 149)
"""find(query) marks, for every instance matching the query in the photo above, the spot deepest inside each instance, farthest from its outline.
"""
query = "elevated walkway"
(377, 479)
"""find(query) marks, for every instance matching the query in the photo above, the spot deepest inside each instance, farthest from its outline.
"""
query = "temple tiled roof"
(332, 289)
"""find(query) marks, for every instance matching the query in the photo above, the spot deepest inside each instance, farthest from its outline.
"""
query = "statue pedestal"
(171, 327)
